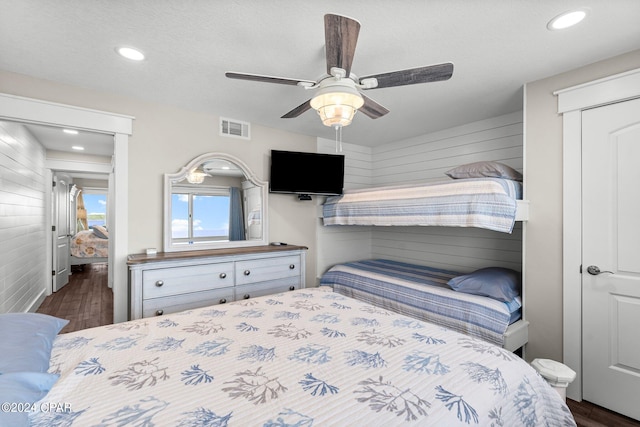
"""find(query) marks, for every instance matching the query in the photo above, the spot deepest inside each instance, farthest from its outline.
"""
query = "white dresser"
(174, 281)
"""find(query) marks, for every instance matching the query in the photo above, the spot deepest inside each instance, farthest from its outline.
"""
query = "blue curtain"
(236, 218)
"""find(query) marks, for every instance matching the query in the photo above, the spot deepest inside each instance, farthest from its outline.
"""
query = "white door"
(611, 243)
(61, 231)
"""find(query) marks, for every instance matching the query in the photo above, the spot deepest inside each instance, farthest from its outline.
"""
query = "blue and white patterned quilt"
(479, 202)
(309, 357)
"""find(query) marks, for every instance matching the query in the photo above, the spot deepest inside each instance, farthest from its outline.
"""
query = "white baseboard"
(35, 304)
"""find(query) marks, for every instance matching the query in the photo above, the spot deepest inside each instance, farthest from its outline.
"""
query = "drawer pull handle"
(292, 266)
(159, 283)
(247, 272)
(246, 296)
(223, 275)
(292, 288)
(159, 312)
(223, 300)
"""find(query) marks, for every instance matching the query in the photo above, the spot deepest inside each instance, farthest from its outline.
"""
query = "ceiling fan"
(339, 93)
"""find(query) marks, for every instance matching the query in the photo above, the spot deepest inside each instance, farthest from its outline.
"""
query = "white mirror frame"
(170, 178)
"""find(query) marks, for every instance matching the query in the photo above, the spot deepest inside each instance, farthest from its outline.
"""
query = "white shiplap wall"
(345, 243)
(22, 219)
(425, 159)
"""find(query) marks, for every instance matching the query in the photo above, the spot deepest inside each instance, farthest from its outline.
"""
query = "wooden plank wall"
(425, 159)
(340, 244)
(22, 219)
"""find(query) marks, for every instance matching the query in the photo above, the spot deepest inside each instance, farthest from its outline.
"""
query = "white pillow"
(484, 170)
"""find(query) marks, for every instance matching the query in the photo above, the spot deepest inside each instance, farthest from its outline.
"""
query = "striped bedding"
(480, 202)
(422, 292)
(309, 357)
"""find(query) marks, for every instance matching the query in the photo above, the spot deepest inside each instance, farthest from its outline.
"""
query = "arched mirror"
(215, 201)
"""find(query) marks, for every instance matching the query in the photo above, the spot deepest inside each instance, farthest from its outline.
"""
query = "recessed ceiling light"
(70, 131)
(567, 19)
(130, 53)
(77, 148)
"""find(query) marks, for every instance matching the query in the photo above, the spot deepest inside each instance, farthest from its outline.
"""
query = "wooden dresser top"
(165, 256)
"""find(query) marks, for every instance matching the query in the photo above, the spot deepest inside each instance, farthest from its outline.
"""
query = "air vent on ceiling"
(235, 128)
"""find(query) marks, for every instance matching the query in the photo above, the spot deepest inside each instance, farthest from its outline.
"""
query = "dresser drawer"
(267, 288)
(172, 304)
(262, 270)
(174, 282)
(164, 282)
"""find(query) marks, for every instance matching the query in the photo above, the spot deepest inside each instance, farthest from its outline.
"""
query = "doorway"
(610, 248)
(27, 110)
(572, 103)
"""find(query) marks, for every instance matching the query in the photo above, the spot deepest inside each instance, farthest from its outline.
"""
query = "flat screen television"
(306, 173)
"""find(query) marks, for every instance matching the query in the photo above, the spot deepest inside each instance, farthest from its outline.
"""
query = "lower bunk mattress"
(422, 292)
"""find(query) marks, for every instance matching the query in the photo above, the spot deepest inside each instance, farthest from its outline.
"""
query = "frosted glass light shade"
(196, 176)
(337, 105)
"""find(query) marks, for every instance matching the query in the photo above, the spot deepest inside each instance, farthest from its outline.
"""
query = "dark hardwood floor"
(87, 302)
(589, 415)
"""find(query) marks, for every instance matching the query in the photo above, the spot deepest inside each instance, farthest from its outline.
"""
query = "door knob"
(594, 270)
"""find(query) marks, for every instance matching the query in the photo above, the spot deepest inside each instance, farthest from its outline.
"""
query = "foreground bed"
(306, 357)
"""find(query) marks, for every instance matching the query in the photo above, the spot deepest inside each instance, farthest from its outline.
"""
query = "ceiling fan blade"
(341, 36)
(371, 108)
(298, 110)
(269, 79)
(430, 73)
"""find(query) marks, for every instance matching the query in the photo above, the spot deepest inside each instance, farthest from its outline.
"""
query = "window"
(200, 215)
(95, 203)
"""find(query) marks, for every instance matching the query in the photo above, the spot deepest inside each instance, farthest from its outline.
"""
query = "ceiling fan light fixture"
(337, 103)
(196, 176)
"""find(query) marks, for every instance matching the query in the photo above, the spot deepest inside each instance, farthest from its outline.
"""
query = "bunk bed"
(481, 195)
(486, 304)
(490, 203)
(304, 357)
(89, 246)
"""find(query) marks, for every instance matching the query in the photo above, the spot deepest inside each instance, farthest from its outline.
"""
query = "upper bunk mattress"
(422, 292)
(479, 202)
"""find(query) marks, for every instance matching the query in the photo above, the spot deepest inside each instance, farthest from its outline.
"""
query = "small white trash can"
(557, 374)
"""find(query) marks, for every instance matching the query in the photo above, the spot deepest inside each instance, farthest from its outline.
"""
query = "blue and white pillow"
(502, 284)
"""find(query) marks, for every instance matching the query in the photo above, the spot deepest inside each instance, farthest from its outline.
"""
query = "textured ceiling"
(495, 45)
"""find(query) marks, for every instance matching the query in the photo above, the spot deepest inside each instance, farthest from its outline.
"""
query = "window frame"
(192, 191)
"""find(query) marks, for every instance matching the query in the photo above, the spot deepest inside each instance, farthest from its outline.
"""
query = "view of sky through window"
(210, 215)
(96, 207)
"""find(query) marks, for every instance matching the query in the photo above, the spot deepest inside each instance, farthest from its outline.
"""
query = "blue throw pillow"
(19, 388)
(502, 284)
(27, 339)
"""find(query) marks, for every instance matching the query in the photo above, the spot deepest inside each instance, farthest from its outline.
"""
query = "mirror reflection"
(213, 202)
